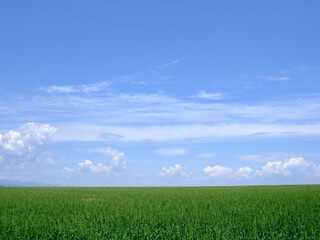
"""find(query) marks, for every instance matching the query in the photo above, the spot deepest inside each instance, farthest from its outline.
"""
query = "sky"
(160, 93)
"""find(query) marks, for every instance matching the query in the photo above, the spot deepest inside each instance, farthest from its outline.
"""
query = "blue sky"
(160, 93)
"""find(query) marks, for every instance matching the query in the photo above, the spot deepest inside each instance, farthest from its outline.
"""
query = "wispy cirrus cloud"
(60, 89)
(171, 151)
(85, 88)
(275, 78)
(160, 117)
(78, 132)
(157, 108)
(206, 155)
(209, 96)
(169, 64)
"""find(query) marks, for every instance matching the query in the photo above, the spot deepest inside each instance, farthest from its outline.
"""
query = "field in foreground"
(257, 212)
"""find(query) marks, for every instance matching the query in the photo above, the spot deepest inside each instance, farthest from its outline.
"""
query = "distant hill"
(12, 183)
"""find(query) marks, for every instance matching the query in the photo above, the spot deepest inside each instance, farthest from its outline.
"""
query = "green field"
(257, 212)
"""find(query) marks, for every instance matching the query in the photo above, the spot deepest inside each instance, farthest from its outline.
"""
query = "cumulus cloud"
(26, 144)
(108, 151)
(243, 172)
(218, 171)
(296, 166)
(176, 170)
(171, 151)
(287, 167)
(88, 166)
(118, 163)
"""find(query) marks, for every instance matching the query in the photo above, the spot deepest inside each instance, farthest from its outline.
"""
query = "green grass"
(257, 212)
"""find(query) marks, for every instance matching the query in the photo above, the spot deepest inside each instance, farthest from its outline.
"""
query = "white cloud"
(169, 64)
(61, 89)
(26, 144)
(88, 166)
(209, 96)
(139, 116)
(146, 109)
(296, 166)
(109, 151)
(177, 170)
(243, 172)
(85, 88)
(187, 131)
(171, 151)
(218, 171)
(316, 169)
(95, 87)
(118, 163)
(68, 169)
(206, 155)
(275, 78)
(287, 167)
(145, 98)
